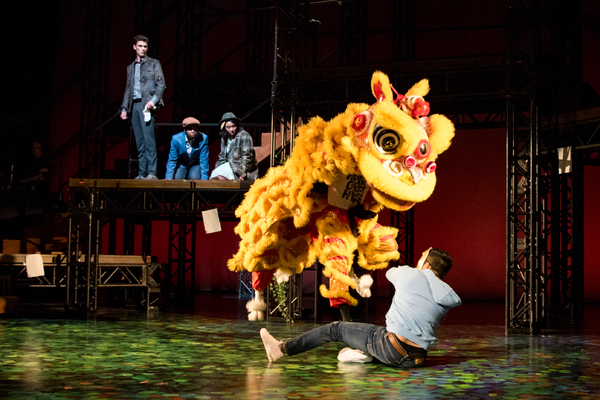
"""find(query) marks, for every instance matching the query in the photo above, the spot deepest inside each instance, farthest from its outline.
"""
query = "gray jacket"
(240, 156)
(152, 83)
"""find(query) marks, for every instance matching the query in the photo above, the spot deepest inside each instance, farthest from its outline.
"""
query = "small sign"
(211, 220)
(565, 164)
(35, 265)
(347, 191)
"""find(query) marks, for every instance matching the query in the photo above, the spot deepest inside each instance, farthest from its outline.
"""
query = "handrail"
(74, 140)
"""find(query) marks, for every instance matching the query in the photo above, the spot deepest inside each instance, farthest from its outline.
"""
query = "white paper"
(211, 220)
(35, 265)
(146, 114)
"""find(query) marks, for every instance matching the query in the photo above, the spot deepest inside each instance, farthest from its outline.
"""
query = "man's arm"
(173, 157)
(126, 96)
(204, 158)
(159, 78)
(392, 274)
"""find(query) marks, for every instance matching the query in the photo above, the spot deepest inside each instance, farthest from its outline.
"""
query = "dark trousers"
(144, 140)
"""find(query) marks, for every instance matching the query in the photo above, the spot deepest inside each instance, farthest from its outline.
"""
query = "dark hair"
(140, 38)
(440, 262)
(42, 146)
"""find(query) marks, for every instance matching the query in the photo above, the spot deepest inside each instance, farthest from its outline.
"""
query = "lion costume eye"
(423, 149)
(386, 140)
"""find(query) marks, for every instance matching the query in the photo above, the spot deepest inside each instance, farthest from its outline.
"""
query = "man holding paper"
(143, 95)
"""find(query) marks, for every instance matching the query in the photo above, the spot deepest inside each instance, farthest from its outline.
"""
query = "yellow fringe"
(337, 294)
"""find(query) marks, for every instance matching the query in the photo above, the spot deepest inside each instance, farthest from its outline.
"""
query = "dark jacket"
(152, 83)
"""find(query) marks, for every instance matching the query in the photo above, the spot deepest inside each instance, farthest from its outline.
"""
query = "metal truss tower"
(289, 20)
(95, 105)
(569, 142)
(404, 30)
(180, 280)
(258, 35)
(353, 33)
(188, 53)
(404, 50)
(148, 18)
(544, 277)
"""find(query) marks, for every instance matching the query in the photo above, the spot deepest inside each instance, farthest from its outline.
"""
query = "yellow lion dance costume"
(369, 158)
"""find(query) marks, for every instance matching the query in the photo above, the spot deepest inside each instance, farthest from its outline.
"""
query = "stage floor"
(218, 354)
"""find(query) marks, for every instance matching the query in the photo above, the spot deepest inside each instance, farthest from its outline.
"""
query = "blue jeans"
(368, 338)
(144, 140)
(185, 172)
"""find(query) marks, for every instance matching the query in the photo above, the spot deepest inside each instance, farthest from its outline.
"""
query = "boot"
(345, 311)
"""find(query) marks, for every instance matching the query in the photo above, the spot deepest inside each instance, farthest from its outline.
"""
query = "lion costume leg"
(257, 306)
(335, 246)
(379, 248)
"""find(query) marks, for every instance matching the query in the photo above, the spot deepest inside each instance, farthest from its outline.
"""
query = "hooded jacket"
(420, 301)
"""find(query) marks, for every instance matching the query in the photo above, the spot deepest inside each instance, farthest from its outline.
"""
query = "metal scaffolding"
(544, 260)
(181, 203)
(539, 78)
(95, 105)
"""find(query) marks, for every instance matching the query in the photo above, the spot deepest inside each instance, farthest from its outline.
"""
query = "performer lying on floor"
(420, 301)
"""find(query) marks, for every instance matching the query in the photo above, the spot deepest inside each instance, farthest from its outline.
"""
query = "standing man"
(237, 159)
(421, 299)
(143, 96)
(188, 157)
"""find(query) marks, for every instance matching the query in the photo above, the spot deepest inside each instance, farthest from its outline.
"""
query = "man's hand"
(123, 115)
(150, 105)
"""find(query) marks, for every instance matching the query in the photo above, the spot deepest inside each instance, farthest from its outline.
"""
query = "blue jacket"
(178, 155)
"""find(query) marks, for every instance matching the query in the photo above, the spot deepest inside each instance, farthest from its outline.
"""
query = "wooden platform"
(160, 184)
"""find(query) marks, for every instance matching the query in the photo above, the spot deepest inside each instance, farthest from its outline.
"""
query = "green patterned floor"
(168, 355)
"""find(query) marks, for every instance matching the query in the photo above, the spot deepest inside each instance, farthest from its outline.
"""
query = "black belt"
(137, 100)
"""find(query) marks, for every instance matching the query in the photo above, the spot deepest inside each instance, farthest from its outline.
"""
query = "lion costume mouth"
(391, 202)
(394, 192)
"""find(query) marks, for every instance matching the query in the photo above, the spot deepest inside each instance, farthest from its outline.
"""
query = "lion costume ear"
(441, 134)
(380, 86)
(420, 88)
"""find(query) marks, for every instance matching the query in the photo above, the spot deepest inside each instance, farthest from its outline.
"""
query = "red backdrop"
(466, 213)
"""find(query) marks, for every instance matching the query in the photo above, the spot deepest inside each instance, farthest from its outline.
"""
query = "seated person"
(421, 299)
(40, 169)
(188, 158)
(237, 159)
(34, 196)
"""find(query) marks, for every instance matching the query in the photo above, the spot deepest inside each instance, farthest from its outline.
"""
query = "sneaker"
(354, 356)
(139, 177)
(271, 345)
(151, 177)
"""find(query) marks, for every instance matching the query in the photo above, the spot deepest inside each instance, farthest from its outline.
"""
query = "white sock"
(271, 345)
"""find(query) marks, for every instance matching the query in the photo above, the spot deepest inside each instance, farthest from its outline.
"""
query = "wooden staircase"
(264, 150)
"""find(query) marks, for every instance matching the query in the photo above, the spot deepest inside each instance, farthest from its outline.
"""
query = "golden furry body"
(286, 225)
